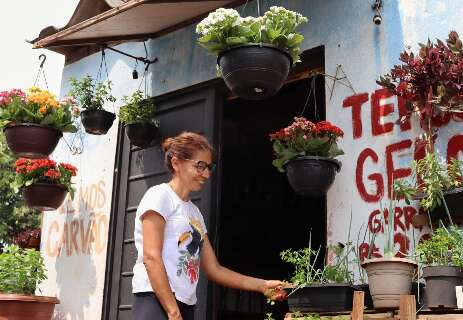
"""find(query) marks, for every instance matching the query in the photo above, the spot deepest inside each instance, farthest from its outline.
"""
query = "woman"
(172, 243)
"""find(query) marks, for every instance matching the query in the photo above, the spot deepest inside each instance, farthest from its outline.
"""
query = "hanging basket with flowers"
(34, 122)
(91, 97)
(254, 54)
(137, 115)
(306, 151)
(28, 239)
(44, 182)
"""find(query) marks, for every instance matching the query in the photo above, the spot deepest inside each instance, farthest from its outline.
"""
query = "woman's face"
(194, 172)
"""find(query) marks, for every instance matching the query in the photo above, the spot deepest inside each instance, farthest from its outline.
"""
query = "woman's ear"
(175, 163)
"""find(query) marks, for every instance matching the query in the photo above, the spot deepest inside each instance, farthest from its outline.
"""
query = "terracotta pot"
(26, 307)
(141, 134)
(310, 175)
(97, 122)
(388, 278)
(254, 71)
(31, 140)
(44, 196)
(440, 286)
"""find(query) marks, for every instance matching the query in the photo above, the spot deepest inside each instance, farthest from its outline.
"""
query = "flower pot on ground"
(34, 122)
(306, 151)
(91, 97)
(442, 256)
(254, 54)
(20, 273)
(137, 115)
(388, 279)
(44, 182)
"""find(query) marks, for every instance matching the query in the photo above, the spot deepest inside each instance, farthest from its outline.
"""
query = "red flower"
(192, 268)
(69, 167)
(52, 174)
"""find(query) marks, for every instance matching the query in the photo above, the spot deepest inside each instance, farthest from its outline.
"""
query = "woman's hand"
(273, 290)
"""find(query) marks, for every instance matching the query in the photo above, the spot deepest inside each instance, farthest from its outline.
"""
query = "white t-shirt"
(183, 239)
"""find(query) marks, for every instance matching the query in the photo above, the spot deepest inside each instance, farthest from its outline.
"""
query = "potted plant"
(389, 277)
(254, 54)
(329, 289)
(137, 115)
(20, 273)
(306, 151)
(28, 239)
(34, 122)
(91, 97)
(44, 182)
(436, 184)
(442, 257)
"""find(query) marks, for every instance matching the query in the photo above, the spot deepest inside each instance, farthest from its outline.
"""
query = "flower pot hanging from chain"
(32, 140)
(254, 71)
(44, 196)
(310, 175)
(141, 134)
(97, 122)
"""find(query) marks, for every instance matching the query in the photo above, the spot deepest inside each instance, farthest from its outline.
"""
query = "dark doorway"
(260, 214)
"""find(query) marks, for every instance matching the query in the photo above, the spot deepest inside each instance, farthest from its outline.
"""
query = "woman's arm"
(228, 278)
(153, 237)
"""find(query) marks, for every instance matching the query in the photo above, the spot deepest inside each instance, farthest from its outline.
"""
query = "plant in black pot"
(34, 122)
(312, 289)
(254, 54)
(92, 97)
(20, 273)
(137, 115)
(442, 258)
(44, 182)
(306, 151)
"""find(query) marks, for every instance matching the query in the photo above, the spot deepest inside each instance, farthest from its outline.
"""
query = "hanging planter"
(28, 239)
(44, 182)
(97, 122)
(34, 122)
(91, 96)
(254, 71)
(254, 54)
(137, 115)
(306, 152)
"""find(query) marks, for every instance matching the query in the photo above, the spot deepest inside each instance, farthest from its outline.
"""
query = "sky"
(24, 19)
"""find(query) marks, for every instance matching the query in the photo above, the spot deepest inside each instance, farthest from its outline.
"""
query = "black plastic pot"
(254, 71)
(322, 298)
(31, 140)
(440, 286)
(368, 301)
(44, 196)
(310, 175)
(97, 122)
(141, 134)
(453, 199)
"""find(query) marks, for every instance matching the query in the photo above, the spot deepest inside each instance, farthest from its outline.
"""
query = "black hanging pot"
(311, 175)
(141, 134)
(97, 122)
(440, 286)
(254, 71)
(44, 196)
(31, 140)
(453, 199)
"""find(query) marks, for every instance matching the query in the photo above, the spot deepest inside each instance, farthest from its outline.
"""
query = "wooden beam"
(407, 310)
(358, 305)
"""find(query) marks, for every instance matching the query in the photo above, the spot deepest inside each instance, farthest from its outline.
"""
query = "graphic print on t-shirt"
(190, 244)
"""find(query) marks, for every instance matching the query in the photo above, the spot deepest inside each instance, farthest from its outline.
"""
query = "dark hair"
(184, 146)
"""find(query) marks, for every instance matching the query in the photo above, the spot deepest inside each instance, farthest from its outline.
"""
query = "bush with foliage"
(444, 248)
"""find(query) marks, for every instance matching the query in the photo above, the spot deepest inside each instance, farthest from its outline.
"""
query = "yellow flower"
(43, 110)
(43, 98)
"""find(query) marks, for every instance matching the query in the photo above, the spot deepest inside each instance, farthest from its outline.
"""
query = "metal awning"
(133, 20)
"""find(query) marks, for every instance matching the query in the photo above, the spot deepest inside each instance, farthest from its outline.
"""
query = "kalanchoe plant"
(431, 81)
(444, 248)
(305, 138)
(21, 270)
(36, 106)
(91, 95)
(29, 171)
(431, 178)
(225, 28)
(137, 109)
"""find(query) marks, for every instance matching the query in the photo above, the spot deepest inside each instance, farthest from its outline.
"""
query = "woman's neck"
(180, 189)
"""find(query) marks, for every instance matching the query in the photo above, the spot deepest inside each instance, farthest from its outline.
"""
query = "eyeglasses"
(201, 166)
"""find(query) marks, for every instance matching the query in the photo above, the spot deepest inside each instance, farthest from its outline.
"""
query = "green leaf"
(49, 119)
(69, 128)
(235, 41)
(295, 39)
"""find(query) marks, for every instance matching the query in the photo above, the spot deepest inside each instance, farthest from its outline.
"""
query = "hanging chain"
(41, 71)
(312, 91)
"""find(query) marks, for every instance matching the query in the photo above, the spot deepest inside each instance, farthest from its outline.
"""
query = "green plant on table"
(91, 95)
(224, 28)
(137, 109)
(20, 270)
